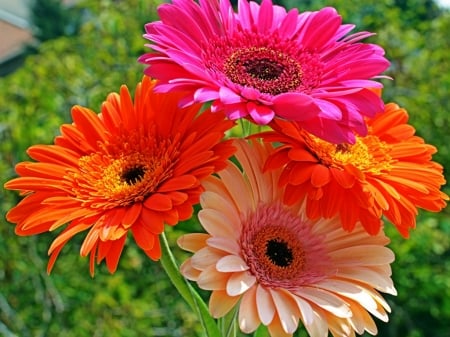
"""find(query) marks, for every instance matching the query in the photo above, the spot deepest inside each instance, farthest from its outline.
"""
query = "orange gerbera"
(279, 267)
(135, 166)
(389, 172)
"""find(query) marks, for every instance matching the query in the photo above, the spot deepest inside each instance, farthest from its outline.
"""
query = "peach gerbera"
(277, 265)
(388, 172)
(134, 167)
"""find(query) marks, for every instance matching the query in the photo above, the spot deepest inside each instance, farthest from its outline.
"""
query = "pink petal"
(295, 106)
(261, 114)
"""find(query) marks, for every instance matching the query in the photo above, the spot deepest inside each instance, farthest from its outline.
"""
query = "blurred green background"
(89, 50)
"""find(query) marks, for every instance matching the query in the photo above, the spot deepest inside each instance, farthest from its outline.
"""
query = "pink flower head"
(264, 62)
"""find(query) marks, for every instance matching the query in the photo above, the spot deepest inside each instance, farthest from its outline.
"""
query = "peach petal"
(325, 300)
(231, 263)
(373, 276)
(361, 320)
(189, 271)
(349, 290)
(287, 311)
(248, 314)
(217, 202)
(217, 223)
(238, 188)
(224, 244)
(220, 303)
(238, 283)
(318, 326)
(265, 305)
(206, 257)
(193, 242)
(211, 279)
(367, 255)
(305, 309)
(276, 328)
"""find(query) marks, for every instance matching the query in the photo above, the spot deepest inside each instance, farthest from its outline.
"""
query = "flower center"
(368, 154)
(133, 175)
(124, 172)
(279, 253)
(280, 249)
(266, 62)
(270, 71)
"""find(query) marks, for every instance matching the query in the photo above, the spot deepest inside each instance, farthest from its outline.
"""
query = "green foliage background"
(138, 299)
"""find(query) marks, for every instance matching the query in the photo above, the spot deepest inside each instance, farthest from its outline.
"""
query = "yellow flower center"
(368, 154)
(123, 172)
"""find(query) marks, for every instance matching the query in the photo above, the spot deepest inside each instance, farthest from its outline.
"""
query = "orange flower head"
(278, 267)
(388, 173)
(134, 167)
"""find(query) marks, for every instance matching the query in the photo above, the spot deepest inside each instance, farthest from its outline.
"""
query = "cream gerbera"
(278, 266)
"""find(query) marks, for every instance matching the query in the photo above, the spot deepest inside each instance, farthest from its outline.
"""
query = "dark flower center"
(268, 70)
(263, 69)
(133, 175)
(279, 253)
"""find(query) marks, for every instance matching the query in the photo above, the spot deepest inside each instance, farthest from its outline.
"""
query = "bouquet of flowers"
(293, 209)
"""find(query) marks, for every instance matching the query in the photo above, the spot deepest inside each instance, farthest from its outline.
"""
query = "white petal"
(238, 283)
(349, 290)
(306, 311)
(318, 327)
(326, 301)
(287, 311)
(248, 314)
(231, 263)
(265, 305)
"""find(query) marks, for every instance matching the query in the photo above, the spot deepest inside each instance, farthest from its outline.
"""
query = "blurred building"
(15, 33)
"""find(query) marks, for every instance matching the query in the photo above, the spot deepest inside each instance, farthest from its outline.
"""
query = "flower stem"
(228, 324)
(186, 290)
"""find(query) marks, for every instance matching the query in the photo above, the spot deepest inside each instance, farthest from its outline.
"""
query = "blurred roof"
(14, 28)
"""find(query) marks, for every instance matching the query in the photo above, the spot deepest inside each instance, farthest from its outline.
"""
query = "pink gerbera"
(263, 62)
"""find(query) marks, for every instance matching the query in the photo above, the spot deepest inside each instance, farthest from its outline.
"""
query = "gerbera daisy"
(388, 172)
(263, 62)
(277, 265)
(134, 167)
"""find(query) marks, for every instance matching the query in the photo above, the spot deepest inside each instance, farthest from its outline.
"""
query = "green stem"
(185, 289)
(228, 323)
